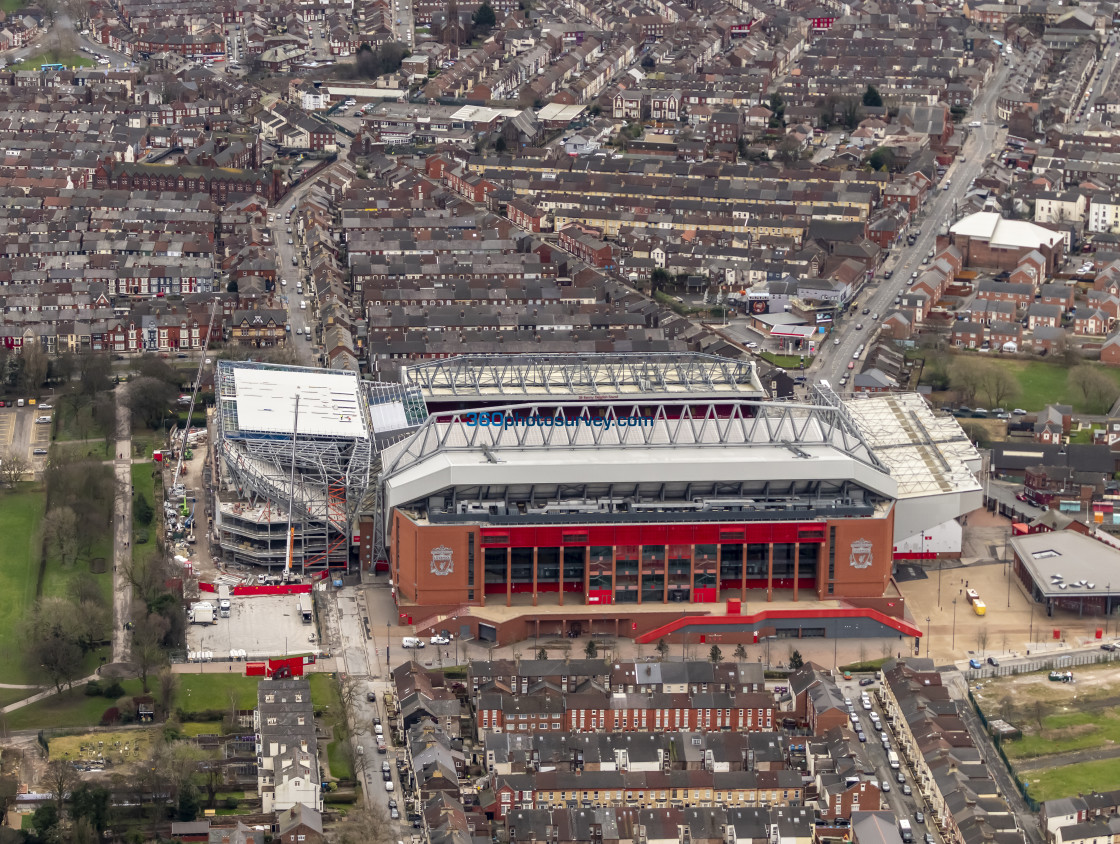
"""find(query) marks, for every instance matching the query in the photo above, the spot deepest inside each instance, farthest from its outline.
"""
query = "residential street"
(939, 212)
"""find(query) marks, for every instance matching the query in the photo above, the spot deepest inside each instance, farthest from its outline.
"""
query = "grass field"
(786, 361)
(324, 694)
(145, 483)
(70, 709)
(63, 57)
(1043, 383)
(198, 692)
(1085, 778)
(11, 5)
(1059, 718)
(21, 512)
(120, 747)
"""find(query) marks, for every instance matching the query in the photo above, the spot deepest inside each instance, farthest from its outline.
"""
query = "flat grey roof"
(1075, 557)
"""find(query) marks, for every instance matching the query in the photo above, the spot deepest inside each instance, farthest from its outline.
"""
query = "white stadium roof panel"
(329, 403)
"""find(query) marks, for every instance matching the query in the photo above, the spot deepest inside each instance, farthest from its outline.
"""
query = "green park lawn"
(200, 692)
(786, 361)
(1069, 780)
(1042, 383)
(21, 512)
(67, 58)
(72, 708)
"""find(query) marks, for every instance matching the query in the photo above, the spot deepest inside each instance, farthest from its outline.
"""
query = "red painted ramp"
(718, 623)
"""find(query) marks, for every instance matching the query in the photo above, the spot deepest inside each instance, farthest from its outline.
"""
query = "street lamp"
(954, 645)
(927, 637)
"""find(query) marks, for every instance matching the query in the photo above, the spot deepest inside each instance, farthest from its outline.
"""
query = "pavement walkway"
(122, 532)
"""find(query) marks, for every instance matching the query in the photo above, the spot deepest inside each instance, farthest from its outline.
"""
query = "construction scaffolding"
(323, 479)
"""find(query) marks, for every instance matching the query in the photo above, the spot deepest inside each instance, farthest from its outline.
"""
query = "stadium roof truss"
(584, 375)
(639, 425)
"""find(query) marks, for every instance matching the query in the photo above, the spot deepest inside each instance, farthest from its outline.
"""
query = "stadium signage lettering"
(497, 419)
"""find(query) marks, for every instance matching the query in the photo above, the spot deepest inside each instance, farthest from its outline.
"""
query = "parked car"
(1108, 646)
(975, 663)
(993, 661)
(866, 681)
(440, 640)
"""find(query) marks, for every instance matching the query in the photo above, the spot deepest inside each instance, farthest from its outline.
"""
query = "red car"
(1022, 496)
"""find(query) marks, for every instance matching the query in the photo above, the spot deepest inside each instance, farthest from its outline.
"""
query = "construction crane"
(183, 508)
(291, 500)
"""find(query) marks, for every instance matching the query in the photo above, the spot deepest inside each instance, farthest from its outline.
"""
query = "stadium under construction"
(537, 490)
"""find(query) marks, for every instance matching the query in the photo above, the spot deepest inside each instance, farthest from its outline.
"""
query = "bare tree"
(12, 468)
(60, 777)
(1097, 390)
(50, 643)
(1039, 711)
(147, 645)
(60, 528)
(998, 384)
(965, 377)
(982, 639)
(34, 371)
(365, 825)
(168, 690)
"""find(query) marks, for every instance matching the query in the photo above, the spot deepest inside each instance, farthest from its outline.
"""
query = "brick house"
(968, 335)
(1043, 316)
(586, 248)
(1002, 333)
(1094, 323)
(1002, 291)
(1049, 339)
(299, 825)
(1110, 351)
(525, 216)
(1056, 294)
(840, 799)
(725, 127)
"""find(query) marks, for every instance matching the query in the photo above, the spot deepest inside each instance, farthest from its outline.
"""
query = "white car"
(439, 640)
(388, 785)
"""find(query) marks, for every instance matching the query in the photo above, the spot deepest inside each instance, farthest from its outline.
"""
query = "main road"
(832, 359)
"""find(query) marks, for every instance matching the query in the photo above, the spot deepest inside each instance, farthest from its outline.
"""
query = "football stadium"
(638, 495)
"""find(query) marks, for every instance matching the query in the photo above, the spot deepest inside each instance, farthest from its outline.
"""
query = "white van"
(303, 304)
(412, 642)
